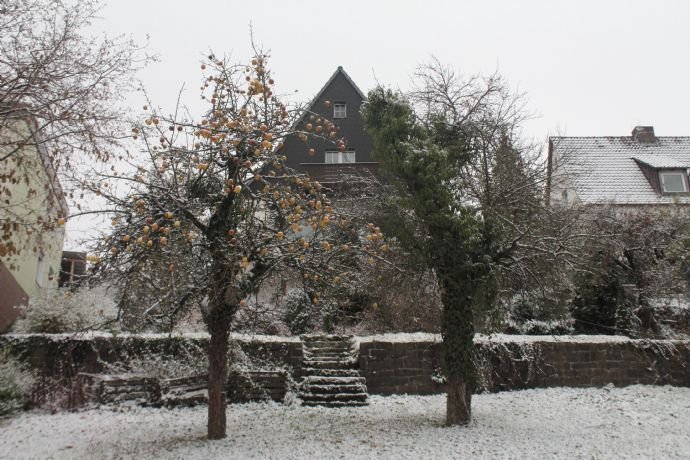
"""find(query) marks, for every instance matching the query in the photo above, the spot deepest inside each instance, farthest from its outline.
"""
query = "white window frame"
(683, 180)
(339, 110)
(346, 157)
(42, 271)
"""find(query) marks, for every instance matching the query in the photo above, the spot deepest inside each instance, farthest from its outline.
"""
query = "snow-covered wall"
(392, 363)
(413, 364)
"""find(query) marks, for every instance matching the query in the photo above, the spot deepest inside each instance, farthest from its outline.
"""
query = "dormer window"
(339, 110)
(673, 182)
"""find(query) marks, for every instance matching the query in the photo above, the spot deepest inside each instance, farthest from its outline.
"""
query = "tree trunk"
(458, 401)
(219, 327)
(458, 348)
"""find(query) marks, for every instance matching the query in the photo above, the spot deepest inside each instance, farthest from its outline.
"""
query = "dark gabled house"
(641, 171)
(339, 102)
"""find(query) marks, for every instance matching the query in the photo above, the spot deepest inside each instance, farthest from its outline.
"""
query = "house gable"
(310, 156)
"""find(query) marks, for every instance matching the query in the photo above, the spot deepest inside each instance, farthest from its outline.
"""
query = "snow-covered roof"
(662, 161)
(604, 169)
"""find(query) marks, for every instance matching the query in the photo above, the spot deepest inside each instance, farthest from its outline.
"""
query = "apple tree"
(210, 201)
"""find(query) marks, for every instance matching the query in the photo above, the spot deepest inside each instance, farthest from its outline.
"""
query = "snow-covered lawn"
(635, 422)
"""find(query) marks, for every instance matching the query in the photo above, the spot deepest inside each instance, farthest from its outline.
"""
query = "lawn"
(634, 422)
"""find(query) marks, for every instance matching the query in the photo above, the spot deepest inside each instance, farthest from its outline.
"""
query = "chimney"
(644, 134)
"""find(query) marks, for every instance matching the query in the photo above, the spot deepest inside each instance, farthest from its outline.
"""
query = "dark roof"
(605, 168)
(313, 101)
(337, 71)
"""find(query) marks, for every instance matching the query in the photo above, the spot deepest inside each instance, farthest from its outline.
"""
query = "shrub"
(15, 384)
(299, 312)
(62, 310)
(536, 327)
(188, 359)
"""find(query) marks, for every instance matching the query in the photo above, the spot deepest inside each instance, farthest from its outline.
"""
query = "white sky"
(588, 67)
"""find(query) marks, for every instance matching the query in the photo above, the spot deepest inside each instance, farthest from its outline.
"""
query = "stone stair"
(330, 375)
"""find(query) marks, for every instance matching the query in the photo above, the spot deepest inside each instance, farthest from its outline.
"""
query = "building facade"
(31, 234)
(318, 151)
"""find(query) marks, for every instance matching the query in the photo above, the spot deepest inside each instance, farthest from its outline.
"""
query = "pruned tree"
(472, 192)
(60, 94)
(211, 196)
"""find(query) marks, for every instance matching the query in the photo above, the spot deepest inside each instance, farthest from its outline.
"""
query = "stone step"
(321, 380)
(328, 359)
(318, 372)
(332, 397)
(335, 403)
(328, 364)
(325, 338)
(333, 389)
(317, 350)
(328, 353)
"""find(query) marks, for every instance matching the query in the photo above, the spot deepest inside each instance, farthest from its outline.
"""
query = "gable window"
(335, 156)
(339, 110)
(673, 182)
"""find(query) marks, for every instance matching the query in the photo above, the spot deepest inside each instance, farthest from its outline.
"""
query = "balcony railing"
(333, 173)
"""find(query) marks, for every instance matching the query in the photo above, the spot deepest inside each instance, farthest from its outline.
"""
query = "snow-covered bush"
(63, 310)
(15, 384)
(536, 327)
(299, 311)
(189, 359)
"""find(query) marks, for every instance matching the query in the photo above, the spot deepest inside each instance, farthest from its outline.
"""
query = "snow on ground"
(634, 422)
(497, 338)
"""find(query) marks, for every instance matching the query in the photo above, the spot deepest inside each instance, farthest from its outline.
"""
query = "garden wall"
(60, 354)
(392, 364)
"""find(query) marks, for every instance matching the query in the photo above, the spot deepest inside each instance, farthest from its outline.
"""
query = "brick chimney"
(644, 134)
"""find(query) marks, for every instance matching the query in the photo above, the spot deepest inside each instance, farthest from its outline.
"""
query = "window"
(673, 182)
(334, 156)
(42, 271)
(339, 110)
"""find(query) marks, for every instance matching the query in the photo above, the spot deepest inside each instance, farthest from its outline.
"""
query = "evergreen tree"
(471, 194)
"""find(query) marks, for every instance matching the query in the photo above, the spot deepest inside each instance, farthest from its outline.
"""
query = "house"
(32, 204)
(629, 172)
(321, 155)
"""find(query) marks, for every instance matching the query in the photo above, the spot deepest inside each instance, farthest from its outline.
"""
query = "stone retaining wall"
(60, 354)
(393, 364)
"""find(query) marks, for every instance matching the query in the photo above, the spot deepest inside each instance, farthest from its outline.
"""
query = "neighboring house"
(339, 101)
(628, 172)
(31, 202)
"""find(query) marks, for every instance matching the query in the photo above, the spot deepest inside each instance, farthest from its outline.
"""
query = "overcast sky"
(589, 68)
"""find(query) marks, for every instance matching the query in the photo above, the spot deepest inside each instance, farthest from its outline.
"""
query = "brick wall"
(64, 354)
(396, 365)
(392, 367)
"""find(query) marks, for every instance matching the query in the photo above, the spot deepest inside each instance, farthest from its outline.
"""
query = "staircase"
(330, 375)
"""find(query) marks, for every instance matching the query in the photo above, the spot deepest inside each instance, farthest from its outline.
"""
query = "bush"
(300, 314)
(15, 384)
(62, 310)
(189, 359)
(535, 327)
